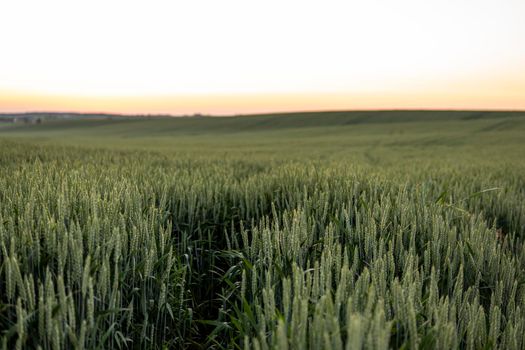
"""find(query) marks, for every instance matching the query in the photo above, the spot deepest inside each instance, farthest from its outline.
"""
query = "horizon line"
(201, 114)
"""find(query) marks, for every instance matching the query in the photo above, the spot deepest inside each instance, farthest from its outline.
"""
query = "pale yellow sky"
(225, 57)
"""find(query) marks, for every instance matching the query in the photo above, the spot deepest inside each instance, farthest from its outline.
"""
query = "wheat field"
(369, 230)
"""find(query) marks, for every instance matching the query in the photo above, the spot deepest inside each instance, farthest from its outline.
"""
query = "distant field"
(336, 230)
(298, 134)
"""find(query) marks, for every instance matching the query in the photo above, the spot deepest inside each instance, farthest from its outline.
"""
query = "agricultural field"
(344, 230)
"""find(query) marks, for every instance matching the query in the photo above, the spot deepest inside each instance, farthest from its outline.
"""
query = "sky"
(241, 56)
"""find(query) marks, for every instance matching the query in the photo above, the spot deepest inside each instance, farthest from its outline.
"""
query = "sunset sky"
(228, 57)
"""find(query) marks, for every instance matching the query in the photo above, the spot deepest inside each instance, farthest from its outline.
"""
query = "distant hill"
(293, 119)
(315, 132)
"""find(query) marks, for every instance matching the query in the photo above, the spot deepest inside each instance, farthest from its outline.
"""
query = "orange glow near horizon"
(253, 104)
(234, 57)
